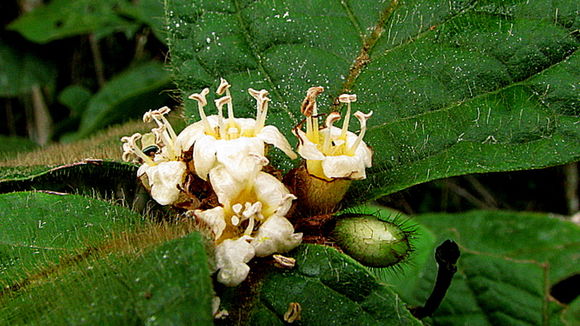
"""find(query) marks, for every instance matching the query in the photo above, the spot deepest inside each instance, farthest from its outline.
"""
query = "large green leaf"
(331, 288)
(37, 229)
(111, 179)
(167, 285)
(73, 260)
(509, 263)
(456, 87)
(65, 18)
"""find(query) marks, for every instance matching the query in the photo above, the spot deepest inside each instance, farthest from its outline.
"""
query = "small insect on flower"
(162, 170)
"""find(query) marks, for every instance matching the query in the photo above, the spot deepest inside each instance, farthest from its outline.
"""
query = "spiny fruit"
(371, 241)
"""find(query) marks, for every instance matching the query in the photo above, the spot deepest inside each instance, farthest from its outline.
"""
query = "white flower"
(333, 152)
(275, 235)
(160, 157)
(214, 218)
(251, 215)
(164, 180)
(229, 141)
(231, 259)
(262, 188)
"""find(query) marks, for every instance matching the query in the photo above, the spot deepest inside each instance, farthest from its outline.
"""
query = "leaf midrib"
(248, 38)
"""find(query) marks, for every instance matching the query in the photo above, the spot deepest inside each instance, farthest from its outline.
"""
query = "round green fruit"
(372, 242)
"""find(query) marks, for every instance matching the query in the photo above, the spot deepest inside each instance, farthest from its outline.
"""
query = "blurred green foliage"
(115, 68)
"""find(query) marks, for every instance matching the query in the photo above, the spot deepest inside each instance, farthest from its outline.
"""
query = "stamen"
(250, 227)
(252, 209)
(162, 112)
(261, 107)
(310, 110)
(362, 118)
(262, 121)
(219, 103)
(224, 85)
(162, 138)
(201, 103)
(159, 117)
(237, 208)
(130, 147)
(327, 144)
(346, 98)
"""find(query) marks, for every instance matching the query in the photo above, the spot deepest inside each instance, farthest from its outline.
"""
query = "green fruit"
(372, 242)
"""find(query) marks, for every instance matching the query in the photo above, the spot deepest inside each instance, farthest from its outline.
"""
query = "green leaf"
(75, 97)
(38, 229)
(126, 96)
(149, 12)
(167, 284)
(21, 71)
(111, 179)
(508, 264)
(331, 288)
(64, 18)
(456, 87)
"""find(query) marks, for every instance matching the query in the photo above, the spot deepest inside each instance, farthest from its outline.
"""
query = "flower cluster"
(246, 209)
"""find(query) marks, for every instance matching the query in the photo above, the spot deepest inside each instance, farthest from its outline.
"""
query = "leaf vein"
(258, 57)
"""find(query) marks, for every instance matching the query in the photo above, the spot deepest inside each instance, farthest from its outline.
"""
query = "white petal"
(271, 135)
(275, 235)
(307, 149)
(231, 258)
(344, 166)
(236, 156)
(204, 155)
(274, 196)
(246, 123)
(164, 179)
(364, 152)
(224, 185)
(189, 136)
(214, 218)
(142, 169)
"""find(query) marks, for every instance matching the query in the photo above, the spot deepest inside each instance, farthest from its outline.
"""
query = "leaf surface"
(86, 177)
(456, 87)
(39, 229)
(168, 284)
